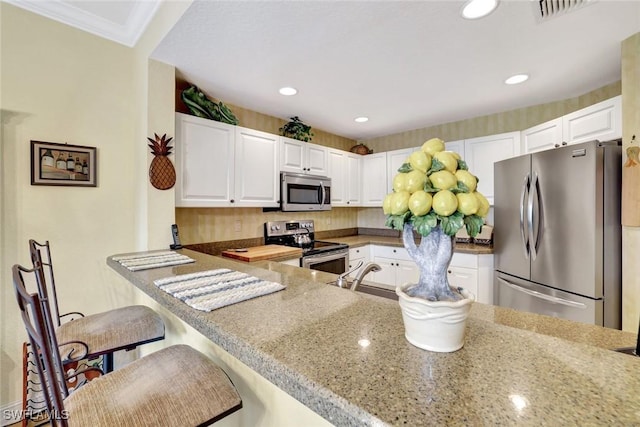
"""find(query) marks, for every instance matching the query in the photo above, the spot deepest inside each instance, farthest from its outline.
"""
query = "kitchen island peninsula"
(344, 356)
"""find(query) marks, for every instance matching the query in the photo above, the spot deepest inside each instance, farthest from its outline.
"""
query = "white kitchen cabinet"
(256, 171)
(374, 179)
(457, 146)
(344, 171)
(221, 165)
(397, 267)
(303, 157)
(542, 137)
(473, 272)
(601, 121)
(354, 179)
(395, 159)
(481, 153)
(204, 162)
(360, 253)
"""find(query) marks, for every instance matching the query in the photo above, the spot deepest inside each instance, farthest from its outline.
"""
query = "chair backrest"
(48, 282)
(43, 343)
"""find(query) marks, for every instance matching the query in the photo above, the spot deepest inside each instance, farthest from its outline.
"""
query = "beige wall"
(59, 84)
(631, 235)
(508, 121)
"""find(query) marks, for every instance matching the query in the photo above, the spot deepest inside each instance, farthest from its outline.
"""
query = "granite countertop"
(515, 368)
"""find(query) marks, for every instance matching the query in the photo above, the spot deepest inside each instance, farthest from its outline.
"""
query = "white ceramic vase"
(435, 325)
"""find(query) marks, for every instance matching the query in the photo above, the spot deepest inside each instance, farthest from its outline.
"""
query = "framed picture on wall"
(63, 164)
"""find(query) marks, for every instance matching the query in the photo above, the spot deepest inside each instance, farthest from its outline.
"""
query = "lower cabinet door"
(406, 272)
(465, 278)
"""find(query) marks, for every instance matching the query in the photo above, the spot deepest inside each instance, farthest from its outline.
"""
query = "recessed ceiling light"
(518, 78)
(361, 119)
(474, 9)
(288, 91)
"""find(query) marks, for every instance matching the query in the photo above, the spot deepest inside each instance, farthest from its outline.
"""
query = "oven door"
(331, 262)
(305, 192)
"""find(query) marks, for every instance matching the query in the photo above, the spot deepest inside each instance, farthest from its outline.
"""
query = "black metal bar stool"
(175, 386)
(102, 333)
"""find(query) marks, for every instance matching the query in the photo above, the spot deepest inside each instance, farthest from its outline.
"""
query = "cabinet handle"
(564, 143)
(394, 251)
(449, 271)
(556, 145)
(232, 201)
(347, 202)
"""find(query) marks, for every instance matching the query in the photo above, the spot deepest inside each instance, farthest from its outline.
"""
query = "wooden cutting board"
(260, 253)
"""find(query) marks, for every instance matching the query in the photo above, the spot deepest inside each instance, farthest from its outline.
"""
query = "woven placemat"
(153, 260)
(212, 289)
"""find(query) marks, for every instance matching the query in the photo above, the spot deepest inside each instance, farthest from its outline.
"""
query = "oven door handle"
(325, 257)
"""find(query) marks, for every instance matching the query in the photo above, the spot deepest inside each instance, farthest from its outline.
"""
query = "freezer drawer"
(512, 292)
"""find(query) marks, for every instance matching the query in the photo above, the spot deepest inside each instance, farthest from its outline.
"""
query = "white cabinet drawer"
(464, 260)
(359, 252)
(391, 252)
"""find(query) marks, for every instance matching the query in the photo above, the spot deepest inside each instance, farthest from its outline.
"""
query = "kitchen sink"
(371, 290)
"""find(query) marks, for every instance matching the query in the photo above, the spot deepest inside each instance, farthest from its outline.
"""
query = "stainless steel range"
(316, 254)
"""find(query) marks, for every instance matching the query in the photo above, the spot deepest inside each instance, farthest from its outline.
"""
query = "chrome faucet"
(370, 266)
(342, 278)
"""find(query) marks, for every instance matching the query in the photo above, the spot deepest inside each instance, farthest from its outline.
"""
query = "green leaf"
(396, 222)
(452, 223)
(460, 188)
(406, 167)
(428, 187)
(462, 165)
(436, 165)
(474, 225)
(424, 224)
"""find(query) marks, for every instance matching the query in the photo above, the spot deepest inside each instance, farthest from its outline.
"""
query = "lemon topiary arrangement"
(434, 194)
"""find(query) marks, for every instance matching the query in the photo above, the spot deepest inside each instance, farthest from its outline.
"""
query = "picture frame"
(63, 164)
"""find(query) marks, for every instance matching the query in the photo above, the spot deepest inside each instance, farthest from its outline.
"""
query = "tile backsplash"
(203, 225)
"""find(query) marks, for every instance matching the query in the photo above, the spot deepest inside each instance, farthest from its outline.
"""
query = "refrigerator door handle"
(530, 217)
(545, 297)
(523, 236)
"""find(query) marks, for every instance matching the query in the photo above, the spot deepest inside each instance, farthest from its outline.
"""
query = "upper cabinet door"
(542, 137)
(291, 155)
(338, 174)
(354, 179)
(481, 153)
(374, 179)
(601, 121)
(204, 162)
(303, 157)
(316, 159)
(256, 168)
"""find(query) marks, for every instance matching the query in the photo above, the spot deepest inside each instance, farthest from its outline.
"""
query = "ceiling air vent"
(546, 9)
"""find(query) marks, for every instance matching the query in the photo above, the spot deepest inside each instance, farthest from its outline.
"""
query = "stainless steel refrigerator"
(557, 235)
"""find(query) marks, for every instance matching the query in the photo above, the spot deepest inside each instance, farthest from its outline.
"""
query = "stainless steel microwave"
(300, 192)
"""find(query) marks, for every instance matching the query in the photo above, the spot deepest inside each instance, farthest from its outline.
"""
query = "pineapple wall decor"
(162, 174)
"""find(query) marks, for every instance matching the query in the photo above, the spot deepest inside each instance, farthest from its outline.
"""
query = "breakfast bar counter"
(343, 354)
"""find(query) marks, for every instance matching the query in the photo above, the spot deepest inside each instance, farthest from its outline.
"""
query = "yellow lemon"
(419, 160)
(399, 182)
(415, 181)
(483, 204)
(432, 146)
(420, 203)
(467, 203)
(467, 179)
(444, 203)
(386, 204)
(454, 154)
(443, 180)
(447, 159)
(400, 203)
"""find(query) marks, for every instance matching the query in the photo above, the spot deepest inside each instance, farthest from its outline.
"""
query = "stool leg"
(107, 362)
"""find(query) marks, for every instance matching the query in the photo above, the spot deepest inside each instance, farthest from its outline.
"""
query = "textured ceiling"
(405, 65)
